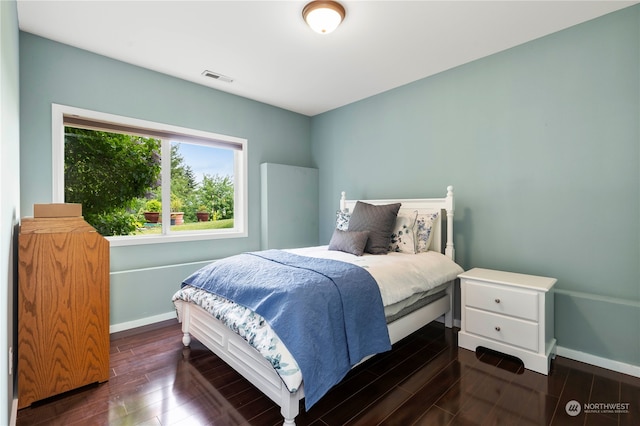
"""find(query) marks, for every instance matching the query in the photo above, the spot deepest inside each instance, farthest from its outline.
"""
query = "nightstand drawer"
(501, 300)
(511, 331)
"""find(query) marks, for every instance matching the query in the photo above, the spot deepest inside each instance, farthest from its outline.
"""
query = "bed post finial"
(449, 251)
(343, 201)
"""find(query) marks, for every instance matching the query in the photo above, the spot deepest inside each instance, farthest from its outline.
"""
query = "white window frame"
(240, 179)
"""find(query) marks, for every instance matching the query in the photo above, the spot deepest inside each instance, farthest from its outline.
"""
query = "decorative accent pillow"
(424, 231)
(342, 220)
(403, 238)
(378, 220)
(352, 242)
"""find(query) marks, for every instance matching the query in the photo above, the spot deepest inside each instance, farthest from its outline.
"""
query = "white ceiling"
(273, 57)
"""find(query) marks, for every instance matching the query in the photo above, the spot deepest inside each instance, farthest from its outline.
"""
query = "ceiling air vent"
(217, 76)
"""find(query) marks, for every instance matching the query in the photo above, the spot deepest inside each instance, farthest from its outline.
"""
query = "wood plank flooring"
(425, 380)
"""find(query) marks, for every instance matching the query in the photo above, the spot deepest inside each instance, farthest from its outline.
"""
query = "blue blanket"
(328, 313)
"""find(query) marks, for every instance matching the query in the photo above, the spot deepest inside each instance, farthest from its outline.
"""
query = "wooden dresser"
(63, 307)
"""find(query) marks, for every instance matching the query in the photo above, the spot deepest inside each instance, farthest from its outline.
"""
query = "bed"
(245, 340)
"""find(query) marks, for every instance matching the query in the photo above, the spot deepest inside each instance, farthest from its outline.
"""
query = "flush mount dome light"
(323, 16)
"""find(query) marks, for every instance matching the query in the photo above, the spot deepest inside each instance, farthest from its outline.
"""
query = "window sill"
(174, 238)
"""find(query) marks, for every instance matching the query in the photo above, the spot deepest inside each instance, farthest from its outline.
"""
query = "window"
(143, 182)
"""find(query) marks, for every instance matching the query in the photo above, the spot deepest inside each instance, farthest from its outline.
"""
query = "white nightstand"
(510, 313)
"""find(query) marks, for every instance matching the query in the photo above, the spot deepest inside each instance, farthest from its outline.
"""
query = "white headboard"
(424, 205)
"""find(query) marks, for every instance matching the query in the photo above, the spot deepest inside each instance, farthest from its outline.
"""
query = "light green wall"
(289, 206)
(10, 190)
(55, 73)
(541, 143)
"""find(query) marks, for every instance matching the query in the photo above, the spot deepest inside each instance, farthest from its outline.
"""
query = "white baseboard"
(142, 321)
(620, 367)
(456, 322)
(14, 412)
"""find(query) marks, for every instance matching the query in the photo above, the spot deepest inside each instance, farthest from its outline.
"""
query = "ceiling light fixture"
(323, 16)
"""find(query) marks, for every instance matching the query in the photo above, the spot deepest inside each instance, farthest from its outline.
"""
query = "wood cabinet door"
(63, 313)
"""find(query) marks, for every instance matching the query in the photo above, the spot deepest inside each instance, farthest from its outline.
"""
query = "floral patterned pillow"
(342, 220)
(424, 231)
(403, 238)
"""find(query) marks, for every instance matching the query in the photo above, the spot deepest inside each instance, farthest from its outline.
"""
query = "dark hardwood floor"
(425, 380)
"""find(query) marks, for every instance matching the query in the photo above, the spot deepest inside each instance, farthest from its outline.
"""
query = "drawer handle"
(497, 300)
(497, 327)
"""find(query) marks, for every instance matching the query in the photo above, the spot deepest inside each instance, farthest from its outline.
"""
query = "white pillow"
(413, 232)
(403, 238)
(424, 230)
(342, 220)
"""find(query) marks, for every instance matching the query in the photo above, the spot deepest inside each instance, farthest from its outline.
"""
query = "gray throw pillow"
(349, 241)
(378, 220)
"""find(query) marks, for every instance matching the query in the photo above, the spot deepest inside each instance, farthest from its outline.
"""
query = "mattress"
(399, 275)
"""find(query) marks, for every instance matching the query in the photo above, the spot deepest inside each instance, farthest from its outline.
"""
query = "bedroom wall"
(143, 278)
(10, 205)
(541, 143)
(289, 213)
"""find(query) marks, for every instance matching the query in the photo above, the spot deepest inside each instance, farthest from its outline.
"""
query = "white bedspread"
(399, 275)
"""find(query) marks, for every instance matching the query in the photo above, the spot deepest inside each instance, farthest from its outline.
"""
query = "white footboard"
(241, 356)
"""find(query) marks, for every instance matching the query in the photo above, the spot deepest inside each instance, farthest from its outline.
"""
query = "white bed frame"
(247, 361)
